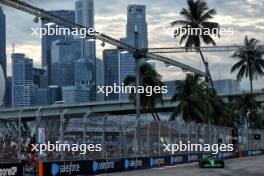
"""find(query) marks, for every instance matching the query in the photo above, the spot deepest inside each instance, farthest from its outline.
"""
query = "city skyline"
(110, 16)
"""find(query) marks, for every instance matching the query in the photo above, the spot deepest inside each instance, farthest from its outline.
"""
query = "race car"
(211, 162)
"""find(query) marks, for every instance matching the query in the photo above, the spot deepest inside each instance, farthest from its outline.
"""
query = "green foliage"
(248, 110)
(249, 64)
(197, 103)
(197, 15)
(148, 77)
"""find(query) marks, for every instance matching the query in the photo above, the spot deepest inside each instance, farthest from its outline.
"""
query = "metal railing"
(116, 134)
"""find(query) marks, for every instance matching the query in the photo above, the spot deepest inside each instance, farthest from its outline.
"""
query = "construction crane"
(48, 16)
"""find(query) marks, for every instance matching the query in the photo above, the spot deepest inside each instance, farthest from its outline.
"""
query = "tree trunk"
(157, 118)
(206, 69)
(251, 84)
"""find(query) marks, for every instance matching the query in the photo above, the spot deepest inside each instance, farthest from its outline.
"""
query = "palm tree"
(149, 77)
(246, 108)
(250, 64)
(197, 16)
(221, 113)
(190, 96)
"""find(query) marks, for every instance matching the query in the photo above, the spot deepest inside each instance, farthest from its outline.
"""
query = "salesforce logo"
(103, 165)
(192, 158)
(95, 166)
(151, 162)
(126, 164)
(65, 168)
(133, 163)
(176, 159)
(54, 169)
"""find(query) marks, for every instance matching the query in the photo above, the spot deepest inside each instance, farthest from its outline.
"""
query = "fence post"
(61, 130)
(179, 128)
(103, 137)
(159, 136)
(170, 128)
(84, 130)
(148, 138)
(196, 133)
(19, 133)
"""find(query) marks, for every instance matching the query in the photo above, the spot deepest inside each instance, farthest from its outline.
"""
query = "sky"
(246, 17)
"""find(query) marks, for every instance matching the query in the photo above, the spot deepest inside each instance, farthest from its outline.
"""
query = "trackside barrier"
(11, 169)
(67, 168)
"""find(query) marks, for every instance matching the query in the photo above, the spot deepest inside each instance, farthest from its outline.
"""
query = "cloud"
(245, 16)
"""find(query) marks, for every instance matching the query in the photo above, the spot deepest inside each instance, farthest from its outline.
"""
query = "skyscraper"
(3, 41)
(75, 94)
(99, 78)
(3, 47)
(23, 88)
(84, 15)
(54, 94)
(47, 40)
(111, 71)
(9, 91)
(39, 78)
(136, 20)
(126, 67)
(63, 55)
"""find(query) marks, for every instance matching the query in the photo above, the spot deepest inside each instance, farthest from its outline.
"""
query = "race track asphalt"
(248, 166)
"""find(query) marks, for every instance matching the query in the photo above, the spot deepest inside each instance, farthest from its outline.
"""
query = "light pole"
(84, 129)
(19, 133)
(137, 59)
(36, 134)
(61, 129)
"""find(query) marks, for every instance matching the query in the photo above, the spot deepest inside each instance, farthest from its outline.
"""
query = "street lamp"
(36, 134)
(61, 129)
(19, 133)
(137, 59)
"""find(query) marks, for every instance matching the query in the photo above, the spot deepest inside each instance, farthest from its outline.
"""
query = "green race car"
(211, 162)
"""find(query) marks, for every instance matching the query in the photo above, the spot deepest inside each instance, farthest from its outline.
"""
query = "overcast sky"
(246, 17)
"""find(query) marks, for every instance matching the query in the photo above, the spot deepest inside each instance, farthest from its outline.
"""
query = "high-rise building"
(84, 15)
(42, 96)
(9, 91)
(54, 94)
(23, 88)
(226, 85)
(111, 71)
(40, 78)
(3, 41)
(63, 55)
(171, 89)
(3, 47)
(99, 78)
(136, 21)
(126, 68)
(82, 76)
(75, 94)
(47, 40)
